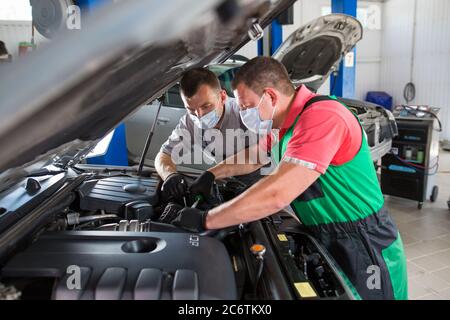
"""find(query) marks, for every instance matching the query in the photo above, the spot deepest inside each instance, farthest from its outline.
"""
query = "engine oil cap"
(258, 249)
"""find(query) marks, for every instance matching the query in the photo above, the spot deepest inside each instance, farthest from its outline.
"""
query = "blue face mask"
(208, 121)
(252, 119)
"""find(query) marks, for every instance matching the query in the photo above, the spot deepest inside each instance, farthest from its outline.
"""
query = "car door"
(139, 124)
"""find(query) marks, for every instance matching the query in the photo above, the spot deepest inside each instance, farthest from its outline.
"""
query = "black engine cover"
(111, 194)
(126, 265)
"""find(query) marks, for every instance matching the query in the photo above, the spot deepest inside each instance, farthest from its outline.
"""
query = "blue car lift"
(343, 84)
(117, 153)
(88, 5)
(275, 40)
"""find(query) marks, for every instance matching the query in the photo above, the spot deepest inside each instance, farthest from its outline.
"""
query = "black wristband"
(211, 175)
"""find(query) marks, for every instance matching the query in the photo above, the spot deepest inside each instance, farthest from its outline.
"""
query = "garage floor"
(426, 235)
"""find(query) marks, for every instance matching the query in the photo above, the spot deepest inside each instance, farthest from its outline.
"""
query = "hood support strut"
(149, 137)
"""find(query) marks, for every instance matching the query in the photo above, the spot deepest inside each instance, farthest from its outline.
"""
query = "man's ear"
(273, 94)
(223, 95)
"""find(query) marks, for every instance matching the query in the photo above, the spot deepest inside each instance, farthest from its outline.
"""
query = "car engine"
(112, 240)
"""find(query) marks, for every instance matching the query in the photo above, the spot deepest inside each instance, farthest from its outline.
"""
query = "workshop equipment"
(410, 169)
(26, 47)
(381, 98)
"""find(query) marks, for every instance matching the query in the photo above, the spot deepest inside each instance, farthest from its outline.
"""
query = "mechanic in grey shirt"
(210, 132)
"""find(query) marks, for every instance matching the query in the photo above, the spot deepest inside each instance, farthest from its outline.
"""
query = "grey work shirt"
(189, 144)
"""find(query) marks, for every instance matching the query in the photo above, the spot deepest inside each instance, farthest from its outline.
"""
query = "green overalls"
(344, 210)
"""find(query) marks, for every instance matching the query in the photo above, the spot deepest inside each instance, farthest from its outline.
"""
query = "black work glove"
(203, 185)
(174, 186)
(191, 219)
(170, 212)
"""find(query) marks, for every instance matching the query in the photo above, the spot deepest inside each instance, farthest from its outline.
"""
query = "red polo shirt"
(326, 133)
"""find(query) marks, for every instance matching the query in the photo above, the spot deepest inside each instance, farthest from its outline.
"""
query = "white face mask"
(208, 121)
(252, 119)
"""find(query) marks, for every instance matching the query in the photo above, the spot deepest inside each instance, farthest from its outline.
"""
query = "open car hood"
(58, 102)
(314, 51)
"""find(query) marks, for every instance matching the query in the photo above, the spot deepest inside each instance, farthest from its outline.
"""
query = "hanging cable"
(419, 167)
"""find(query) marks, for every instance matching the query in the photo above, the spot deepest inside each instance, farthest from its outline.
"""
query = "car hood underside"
(85, 82)
(315, 50)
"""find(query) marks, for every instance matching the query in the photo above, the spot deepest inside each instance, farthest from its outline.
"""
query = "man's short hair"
(193, 79)
(263, 72)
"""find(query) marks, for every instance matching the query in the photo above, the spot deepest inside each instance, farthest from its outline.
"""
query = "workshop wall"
(15, 25)
(13, 32)
(416, 47)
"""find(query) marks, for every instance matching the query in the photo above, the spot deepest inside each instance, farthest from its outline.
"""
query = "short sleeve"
(176, 136)
(316, 139)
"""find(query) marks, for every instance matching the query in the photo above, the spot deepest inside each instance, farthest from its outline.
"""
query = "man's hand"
(269, 195)
(203, 185)
(191, 219)
(170, 212)
(230, 168)
(174, 185)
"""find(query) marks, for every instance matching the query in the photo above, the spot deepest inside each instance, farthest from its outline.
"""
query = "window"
(226, 78)
(15, 10)
(173, 98)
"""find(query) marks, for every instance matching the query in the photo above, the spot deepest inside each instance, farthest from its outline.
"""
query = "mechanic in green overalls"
(325, 173)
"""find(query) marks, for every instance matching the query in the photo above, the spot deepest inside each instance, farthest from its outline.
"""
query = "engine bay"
(112, 240)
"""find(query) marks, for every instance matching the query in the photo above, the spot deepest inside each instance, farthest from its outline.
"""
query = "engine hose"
(85, 221)
(74, 219)
(97, 217)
